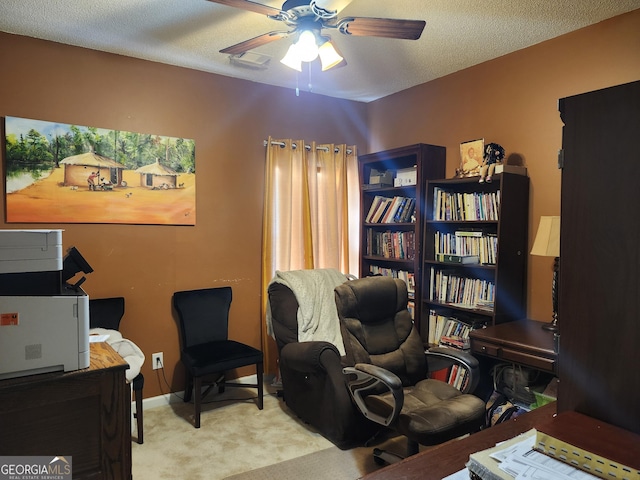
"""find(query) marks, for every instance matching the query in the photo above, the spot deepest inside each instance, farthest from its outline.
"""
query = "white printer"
(44, 321)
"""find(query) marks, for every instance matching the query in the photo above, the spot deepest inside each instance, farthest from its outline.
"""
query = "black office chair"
(389, 380)
(107, 313)
(207, 353)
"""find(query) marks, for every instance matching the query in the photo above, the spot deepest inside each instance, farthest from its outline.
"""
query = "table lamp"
(547, 244)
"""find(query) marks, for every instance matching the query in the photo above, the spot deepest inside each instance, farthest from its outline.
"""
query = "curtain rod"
(308, 147)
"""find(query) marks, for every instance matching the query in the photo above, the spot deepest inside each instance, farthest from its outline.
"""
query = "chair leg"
(260, 374)
(138, 397)
(197, 399)
(188, 388)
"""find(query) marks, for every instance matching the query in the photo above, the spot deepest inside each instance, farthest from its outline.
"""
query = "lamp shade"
(292, 59)
(329, 57)
(547, 242)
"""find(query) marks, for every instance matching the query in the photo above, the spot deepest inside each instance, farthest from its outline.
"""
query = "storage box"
(30, 251)
(517, 169)
(381, 179)
(406, 176)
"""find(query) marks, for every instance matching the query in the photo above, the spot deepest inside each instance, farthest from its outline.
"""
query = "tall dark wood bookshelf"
(491, 217)
(429, 162)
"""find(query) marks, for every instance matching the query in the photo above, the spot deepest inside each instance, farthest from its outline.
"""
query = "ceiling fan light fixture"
(307, 46)
(292, 58)
(329, 56)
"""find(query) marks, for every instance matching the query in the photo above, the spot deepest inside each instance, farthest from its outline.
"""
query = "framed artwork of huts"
(61, 173)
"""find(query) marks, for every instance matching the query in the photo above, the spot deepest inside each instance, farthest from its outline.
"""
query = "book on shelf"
(375, 203)
(408, 277)
(456, 206)
(390, 244)
(449, 288)
(390, 209)
(456, 375)
(484, 245)
(455, 341)
(382, 208)
(450, 331)
(468, 233)
(411, 307)
(461, 259)
(599, 448)
(396, 213)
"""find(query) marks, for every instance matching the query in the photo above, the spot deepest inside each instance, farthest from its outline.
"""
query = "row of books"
(465, 206)
(456, 376)
(398, 245)
(391, 210)
(453, 247)
(408, 277)
(450, 331)
(464, 292)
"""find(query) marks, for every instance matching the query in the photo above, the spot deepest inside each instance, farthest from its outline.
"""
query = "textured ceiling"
(189, 33)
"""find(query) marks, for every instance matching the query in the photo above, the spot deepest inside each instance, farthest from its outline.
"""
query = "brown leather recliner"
(313, 384)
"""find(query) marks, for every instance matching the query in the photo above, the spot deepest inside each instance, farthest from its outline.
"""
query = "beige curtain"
(311, 210)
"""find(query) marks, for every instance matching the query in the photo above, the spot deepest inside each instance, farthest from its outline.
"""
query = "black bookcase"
(489, 220)
(395, 247)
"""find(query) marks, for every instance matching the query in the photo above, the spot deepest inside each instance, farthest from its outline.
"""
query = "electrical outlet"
(157, 361)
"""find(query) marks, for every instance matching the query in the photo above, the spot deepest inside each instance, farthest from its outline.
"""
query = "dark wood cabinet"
(489, 220)
(599, 286)
(85, 414)
(395, 247)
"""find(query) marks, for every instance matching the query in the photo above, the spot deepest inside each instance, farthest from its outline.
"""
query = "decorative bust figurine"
(493, 154)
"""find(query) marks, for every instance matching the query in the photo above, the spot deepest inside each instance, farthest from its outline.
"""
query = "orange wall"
(229, 120)
(513, 101)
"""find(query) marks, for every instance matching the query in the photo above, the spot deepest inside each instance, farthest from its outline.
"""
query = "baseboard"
(175, 397)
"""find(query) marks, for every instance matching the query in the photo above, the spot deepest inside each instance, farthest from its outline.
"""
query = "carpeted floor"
(329, 464)
(235, 438)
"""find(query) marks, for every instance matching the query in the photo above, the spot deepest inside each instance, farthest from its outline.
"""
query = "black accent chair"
(107, 313)
(390, 366)
(206, 351)
(313, 384)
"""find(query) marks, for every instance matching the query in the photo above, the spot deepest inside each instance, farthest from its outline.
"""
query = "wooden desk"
(442, 460)
(523, 341)
(85, 414)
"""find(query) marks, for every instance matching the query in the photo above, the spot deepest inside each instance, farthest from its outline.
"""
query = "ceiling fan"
(307, 19)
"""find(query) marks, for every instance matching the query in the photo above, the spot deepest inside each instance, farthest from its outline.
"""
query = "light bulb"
(307, 46)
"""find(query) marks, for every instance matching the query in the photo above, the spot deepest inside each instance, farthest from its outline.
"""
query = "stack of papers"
(516, 459)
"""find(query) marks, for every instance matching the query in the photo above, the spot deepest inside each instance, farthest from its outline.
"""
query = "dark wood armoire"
(599, 286)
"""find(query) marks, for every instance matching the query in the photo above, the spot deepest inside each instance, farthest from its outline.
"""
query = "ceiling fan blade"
(254, 43)
(251, 6)
(381, 27)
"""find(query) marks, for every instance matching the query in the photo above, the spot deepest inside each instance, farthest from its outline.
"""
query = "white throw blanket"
(128, 350)
(317, 313)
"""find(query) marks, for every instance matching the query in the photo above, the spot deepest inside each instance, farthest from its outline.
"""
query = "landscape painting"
(59, 173)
